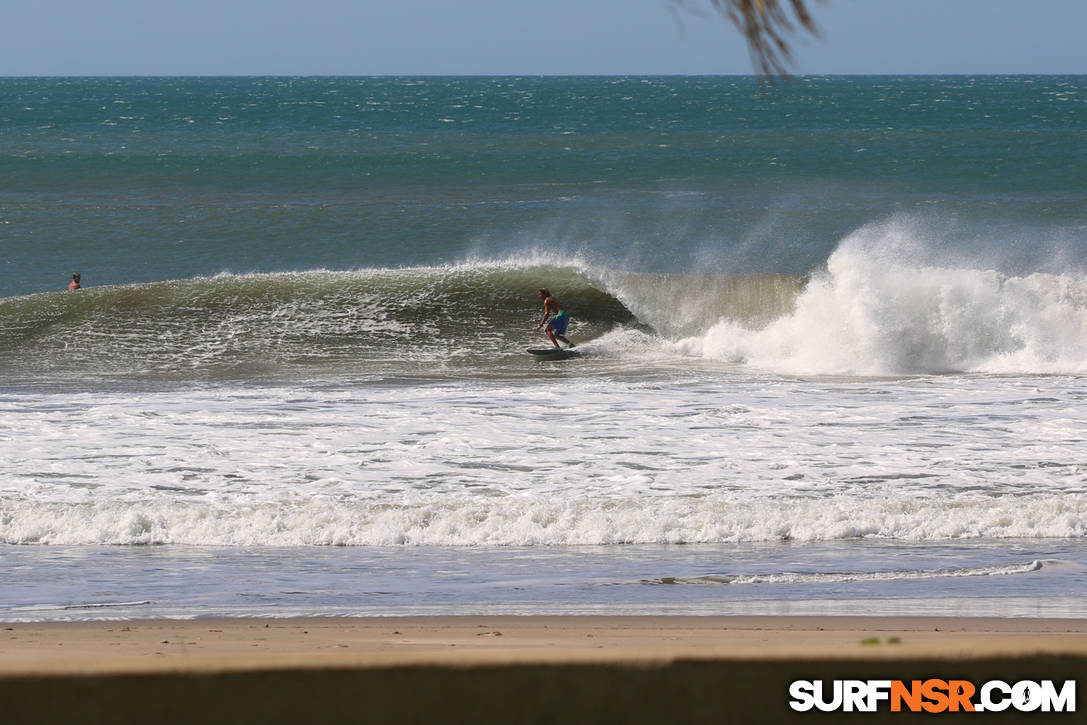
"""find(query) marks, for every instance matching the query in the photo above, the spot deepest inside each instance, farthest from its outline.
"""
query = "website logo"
(932, 695)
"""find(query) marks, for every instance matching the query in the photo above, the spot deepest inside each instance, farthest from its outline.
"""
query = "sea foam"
(875, 310)
(535, 521)
(547, 462)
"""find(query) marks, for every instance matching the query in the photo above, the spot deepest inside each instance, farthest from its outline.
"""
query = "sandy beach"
(467, 668)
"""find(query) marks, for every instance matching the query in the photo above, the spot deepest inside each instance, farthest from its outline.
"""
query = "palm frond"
(767, 25)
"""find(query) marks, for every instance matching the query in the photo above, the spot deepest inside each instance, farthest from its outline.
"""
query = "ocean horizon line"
(752, 76)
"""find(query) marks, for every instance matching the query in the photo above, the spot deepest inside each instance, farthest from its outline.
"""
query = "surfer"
(74, 284)
(556, 327)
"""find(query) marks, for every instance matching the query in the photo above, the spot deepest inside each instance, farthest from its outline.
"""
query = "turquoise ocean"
(832, 338)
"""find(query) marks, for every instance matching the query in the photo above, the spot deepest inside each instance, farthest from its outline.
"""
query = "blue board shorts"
(558, 323)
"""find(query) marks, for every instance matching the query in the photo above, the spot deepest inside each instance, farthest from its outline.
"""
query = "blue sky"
(376, 37)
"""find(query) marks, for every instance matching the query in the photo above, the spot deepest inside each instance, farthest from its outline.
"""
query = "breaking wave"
(882, 307)
(878, 308)
(536, 521)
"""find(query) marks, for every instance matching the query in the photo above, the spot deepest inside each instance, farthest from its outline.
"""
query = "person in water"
(556, 327)
(74, 284)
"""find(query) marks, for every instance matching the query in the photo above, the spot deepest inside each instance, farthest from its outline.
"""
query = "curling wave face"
(230, 326)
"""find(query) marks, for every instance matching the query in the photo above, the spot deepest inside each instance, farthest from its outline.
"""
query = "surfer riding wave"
(556, 327)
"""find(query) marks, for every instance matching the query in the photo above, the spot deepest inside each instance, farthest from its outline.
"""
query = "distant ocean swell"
(438, 520)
